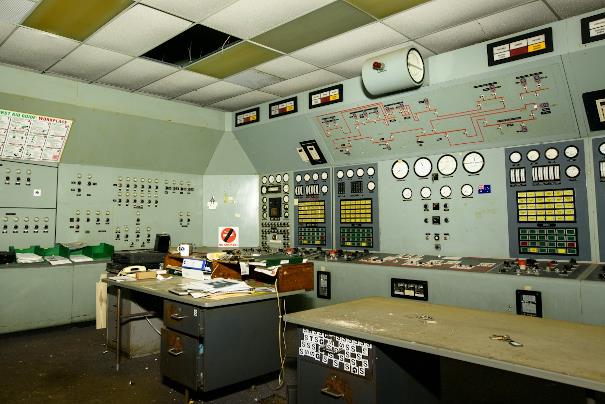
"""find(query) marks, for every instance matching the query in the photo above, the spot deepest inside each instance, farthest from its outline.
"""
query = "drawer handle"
(333, 394)
(174, 352)
(177, 317)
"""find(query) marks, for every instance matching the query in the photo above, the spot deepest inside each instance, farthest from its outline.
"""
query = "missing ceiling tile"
(191, 45)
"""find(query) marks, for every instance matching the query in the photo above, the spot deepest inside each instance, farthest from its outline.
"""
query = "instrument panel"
(313, 208)
(598, 147)
(275, 210)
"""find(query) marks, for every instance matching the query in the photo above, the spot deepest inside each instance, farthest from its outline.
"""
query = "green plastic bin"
(101, 251)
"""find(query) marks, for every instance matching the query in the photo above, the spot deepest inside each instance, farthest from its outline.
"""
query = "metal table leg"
(118, 326)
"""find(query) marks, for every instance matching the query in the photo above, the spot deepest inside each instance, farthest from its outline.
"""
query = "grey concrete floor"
(71, 365)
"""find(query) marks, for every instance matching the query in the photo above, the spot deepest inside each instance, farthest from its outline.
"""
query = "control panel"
(548, 268)
(27, 185)
(356, 195)
(22, 228)
(126, 208)
(275, 210)
(313, 208)
(547, 201)
(598, 146)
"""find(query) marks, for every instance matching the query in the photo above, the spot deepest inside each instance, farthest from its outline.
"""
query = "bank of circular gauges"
(551, 154)
(301, 190)
(447, 164)
(275, 184)
(445, 192)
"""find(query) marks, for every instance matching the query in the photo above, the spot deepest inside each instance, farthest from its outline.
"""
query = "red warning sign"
(228, 236)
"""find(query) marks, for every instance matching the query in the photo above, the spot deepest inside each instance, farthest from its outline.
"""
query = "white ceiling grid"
(111, 56)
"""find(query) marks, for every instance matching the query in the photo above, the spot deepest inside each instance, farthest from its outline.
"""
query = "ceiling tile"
(286, 67)
(14, 11)
(324, 23)
(138, 30)
(516, 19)
(178, 83)
(193, 10)
(439, 14)
(352, 67)
(5, 30)
(136, 74)
(248, 18)
(568, 8)
(89, 63)
(34, 49)
(243, 101)
(382, 9)
(453, 38)
(302, 83)
(234, 59)
(253, 79)
(213, 93)
(350, 44)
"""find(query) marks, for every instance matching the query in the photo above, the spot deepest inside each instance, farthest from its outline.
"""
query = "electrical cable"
(281, 338)
(152, 326)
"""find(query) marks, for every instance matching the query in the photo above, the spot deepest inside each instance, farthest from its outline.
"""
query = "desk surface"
(561, 351)
(160, 289)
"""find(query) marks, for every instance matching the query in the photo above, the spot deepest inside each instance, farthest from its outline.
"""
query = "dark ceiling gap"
(191, 45)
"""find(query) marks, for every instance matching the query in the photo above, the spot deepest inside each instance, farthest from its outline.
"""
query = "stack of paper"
(28, 258)
(218, 285)
(57, 260)
(80, 258)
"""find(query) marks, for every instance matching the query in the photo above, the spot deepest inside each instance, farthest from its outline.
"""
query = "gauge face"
(324, 175)
(602, 148)
(264, 199)
(515, 157)
(371, 171)
(466, 190)
(572, 171)
(264, 180)
(551, 153)
(286, 177)
(425, 192)
(473, 162)
(406, 193)
(400, 169)
(415, 65)
(286, 198)
(324, 189)
(315, 176)
(350, 173)
(286, 188)
(278, 178)
(423, 167)
(271, 179)
(445, 191)
(371, 186)
(286, 214)
(571, 152)
(263, 190)
(447, 164)
(307, 177)
(533, 155)
(264, 215)
(298, 178)
(360, 172)
(340, 174)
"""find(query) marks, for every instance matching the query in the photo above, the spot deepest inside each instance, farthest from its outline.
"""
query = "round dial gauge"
(324, 175)
(445, 191)
(286, 199)
(400, 169)
(264, 215)
(466, 190)
(307, 177)
(602, 148)
(264, 199)
(264, 180)
(406, 193)
(370, 171)
(340, 174)
(278, 178)
(360, 172)
(425, 192)
(371, 186)
(286, 177)
(447, 164)
(515, 157)
(324, 189)
(298, 178)
(571, 152)
(533, 155)
(271, 179)
(415, 65)
(572, 171)
(423, 167)
(350, 173)
(286, 214)
(473, 162)
(286, 188)
(315, 176)
(551, 153)
(263, 190)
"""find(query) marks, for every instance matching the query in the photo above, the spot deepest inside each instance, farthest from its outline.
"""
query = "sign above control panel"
(520, 47)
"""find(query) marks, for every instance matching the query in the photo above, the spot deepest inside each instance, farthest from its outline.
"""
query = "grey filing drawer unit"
(207, 348)
(336, 369)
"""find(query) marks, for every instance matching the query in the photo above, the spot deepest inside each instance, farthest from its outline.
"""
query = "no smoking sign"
(228, 236)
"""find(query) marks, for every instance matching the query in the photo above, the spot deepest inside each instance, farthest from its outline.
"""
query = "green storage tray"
(101, 251)
(31, 250)
(57, 250)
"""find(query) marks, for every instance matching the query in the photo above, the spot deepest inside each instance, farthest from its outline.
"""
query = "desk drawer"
(184, 318)
(181, 359)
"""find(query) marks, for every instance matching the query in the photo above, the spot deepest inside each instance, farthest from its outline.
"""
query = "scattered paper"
(57, 260)
(80, 258)
(28, 258)
(122, 278)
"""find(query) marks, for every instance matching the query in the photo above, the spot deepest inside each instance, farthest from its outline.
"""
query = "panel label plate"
(520, 47)
(593, 28)
(247, 117)
(283, 107)
(326, 96)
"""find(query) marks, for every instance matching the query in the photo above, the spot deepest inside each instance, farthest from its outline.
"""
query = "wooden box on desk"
(289, 276)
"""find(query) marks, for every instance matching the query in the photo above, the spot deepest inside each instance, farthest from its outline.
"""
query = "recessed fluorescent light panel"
(191, 45)
(76, 19)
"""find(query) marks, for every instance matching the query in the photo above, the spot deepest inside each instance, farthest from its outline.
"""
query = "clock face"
(415, 65)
